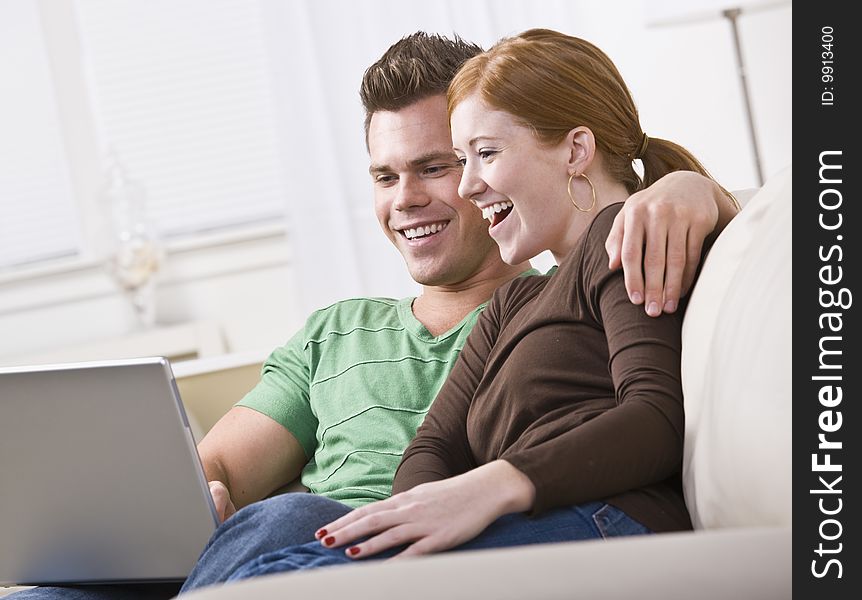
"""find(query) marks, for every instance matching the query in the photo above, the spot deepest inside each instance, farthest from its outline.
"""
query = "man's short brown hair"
(415, 67)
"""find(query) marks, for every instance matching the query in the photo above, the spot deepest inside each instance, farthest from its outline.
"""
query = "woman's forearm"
(508, 488)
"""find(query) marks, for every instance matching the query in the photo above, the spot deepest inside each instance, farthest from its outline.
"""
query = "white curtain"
(36, 202)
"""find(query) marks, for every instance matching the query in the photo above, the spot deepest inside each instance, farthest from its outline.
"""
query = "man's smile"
(417, 231)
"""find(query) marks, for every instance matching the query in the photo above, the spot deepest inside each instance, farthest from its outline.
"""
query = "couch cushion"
(736, 363)
(713, 565)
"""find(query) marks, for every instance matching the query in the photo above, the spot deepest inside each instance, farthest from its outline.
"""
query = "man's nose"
(410, 194)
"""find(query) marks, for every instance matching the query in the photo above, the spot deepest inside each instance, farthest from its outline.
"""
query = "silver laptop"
(100, 479)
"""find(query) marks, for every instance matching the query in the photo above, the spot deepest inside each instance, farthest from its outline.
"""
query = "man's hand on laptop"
(221, 498)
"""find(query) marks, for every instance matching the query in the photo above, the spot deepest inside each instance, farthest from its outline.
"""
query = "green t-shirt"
(352, 386)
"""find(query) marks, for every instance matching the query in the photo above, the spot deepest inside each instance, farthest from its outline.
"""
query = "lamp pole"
(731, 14)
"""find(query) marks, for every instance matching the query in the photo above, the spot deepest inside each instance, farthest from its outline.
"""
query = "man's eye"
(436, 170)
(385, 179)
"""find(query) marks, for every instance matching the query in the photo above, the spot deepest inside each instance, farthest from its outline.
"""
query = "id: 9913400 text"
(827, 65)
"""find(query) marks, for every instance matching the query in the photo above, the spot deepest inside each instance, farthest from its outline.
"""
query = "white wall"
(260, 287)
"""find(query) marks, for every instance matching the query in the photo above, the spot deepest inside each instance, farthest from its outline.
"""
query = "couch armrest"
(719, 564)
(744, 195)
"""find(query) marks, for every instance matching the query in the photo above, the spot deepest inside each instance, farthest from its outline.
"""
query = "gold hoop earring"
(592, 188)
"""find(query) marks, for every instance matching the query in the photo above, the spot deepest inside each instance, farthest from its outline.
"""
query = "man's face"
(443, 238)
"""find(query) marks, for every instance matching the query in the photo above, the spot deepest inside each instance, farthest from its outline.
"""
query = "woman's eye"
(462, 161)
(486, 154)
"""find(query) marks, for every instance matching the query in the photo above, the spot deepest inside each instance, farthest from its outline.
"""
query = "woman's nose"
(471, 184)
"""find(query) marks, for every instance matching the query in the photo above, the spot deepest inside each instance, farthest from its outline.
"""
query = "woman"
(565, 403)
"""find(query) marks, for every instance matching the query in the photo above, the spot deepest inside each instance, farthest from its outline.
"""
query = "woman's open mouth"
(497, 212)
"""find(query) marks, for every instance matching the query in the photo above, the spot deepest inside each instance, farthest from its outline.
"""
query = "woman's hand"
(435, 516)
(658, 235)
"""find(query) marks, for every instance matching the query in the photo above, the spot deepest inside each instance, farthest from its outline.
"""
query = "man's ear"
(581, 146)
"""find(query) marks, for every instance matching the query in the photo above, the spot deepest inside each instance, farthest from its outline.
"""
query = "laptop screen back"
(100, 480)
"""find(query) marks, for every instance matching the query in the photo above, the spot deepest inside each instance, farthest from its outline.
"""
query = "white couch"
(736, 378)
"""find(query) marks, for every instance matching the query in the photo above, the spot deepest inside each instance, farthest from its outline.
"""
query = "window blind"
(182, 92)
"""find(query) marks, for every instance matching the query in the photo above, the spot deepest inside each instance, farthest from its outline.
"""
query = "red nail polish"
(329, 541)
(353, 551)
(320, 533)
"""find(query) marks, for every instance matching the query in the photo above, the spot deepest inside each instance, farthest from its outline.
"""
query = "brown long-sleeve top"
(572, 384)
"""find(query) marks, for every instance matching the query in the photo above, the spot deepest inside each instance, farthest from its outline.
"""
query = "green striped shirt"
(352, 386)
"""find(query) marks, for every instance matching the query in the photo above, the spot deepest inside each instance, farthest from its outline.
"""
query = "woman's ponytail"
(661, 157)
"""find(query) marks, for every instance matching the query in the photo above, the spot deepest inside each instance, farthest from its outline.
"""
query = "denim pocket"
(612, 522)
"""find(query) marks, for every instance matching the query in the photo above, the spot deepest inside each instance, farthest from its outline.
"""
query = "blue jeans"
(255, 530)
(593, 520)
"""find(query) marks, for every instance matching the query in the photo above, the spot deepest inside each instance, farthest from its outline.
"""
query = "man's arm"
(658, 236)
(251, 455)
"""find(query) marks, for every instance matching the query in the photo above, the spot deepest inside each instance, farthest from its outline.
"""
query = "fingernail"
(353, 550)
(669, 306)
(653, 310)
(637, 297)
(329, 541)
(320, 533)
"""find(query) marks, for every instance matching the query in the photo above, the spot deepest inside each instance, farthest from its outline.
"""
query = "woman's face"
(519, 184)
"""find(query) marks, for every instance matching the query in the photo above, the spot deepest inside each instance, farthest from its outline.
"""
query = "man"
(341, 400)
